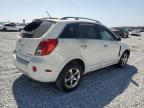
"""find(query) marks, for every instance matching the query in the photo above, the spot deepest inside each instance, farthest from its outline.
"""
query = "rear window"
(32, 26)
(36, 29)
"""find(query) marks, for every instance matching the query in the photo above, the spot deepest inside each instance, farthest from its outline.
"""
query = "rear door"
(13, 27)
(90, 45)
(30, 37)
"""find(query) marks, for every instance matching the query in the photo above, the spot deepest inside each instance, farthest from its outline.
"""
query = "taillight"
(45, 47)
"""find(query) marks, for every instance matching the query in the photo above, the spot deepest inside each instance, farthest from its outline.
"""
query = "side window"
(106, 35)
(11, 25)
(89, 31)
(70, 31)
(6, 25)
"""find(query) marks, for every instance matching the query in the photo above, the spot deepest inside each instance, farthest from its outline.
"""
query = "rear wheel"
(4, 29)
(127, 35)
(123, 60)
(70, 77)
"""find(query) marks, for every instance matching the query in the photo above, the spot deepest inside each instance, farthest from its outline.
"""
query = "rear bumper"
(40, 75)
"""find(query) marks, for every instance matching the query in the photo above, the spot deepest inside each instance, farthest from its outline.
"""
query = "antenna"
(48, 14)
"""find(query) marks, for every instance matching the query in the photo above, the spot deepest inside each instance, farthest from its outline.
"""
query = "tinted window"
(106, 35)
(6, 25)
(11, 25)
(32, 26)
(70, 31)
(89, 31)
(36, 29)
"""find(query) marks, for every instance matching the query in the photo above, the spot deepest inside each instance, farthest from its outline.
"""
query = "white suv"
(63, 50)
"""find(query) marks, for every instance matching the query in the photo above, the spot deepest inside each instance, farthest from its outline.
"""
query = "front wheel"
(19, 29)
(123, 60)
(70, 77)
(127, 35)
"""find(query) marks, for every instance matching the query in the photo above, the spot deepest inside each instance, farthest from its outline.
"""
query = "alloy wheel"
(124, 59)
(72, 78)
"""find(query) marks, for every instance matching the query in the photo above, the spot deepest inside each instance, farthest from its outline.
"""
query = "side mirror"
(118, 38)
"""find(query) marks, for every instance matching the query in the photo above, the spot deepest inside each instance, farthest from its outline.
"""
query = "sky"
(109, 12)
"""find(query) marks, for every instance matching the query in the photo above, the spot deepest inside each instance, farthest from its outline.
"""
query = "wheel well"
(127, 51)
(4, 28)
(79, 61)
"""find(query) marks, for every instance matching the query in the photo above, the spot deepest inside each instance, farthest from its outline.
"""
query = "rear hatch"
(30, 37)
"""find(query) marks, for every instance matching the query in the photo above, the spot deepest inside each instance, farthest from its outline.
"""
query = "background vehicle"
(63, 50)
(10, 27)
(120, 32)
(1, 27)
(142, 30)
(117, 32)
(136, 32)
(125, 33)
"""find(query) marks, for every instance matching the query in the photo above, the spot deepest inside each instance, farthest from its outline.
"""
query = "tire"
(19, 30)
(4, 29)
(127, 35)
(70, 77)
(123, 60)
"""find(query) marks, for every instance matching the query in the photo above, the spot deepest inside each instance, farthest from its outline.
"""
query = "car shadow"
(135, 35)
(96, 90)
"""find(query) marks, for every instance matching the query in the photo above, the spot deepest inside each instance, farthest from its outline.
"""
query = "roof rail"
(77, 18)
(49, 18)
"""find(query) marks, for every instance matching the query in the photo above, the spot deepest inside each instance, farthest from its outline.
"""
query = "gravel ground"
(109, 87)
